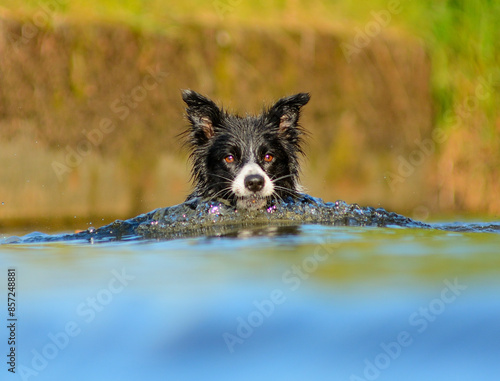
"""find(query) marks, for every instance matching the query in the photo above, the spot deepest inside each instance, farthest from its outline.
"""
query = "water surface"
(303, 302)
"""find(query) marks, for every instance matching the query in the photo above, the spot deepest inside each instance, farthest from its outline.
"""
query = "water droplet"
(3, 203)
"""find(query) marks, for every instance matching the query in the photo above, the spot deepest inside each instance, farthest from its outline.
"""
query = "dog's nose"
(254, 183)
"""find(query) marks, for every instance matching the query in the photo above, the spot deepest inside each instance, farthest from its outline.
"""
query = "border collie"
(248, 161)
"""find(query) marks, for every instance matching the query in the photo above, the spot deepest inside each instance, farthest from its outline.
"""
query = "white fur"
(238, 186)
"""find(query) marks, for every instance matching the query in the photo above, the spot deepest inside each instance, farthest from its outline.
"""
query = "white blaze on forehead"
(238, 186)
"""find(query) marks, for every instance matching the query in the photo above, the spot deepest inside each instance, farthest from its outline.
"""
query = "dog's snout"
(254, 183)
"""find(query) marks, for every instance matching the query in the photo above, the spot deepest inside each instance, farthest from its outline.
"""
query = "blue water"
(313, 302)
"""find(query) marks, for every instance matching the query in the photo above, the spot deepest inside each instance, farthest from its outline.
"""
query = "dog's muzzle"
(254, 183)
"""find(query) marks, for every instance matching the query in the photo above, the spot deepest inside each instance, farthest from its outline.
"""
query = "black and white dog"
(249, 160)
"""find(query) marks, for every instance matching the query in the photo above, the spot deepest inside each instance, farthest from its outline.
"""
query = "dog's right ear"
(203, 114)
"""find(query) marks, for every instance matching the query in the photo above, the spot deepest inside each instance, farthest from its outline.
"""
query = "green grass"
(463, 39)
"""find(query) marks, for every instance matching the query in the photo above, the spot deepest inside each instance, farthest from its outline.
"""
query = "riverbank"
(91, 111)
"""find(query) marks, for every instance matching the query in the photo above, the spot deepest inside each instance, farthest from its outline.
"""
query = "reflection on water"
(302, 302)
(266, 231)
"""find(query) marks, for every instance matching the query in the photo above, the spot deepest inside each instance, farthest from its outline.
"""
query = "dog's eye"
(229, 159)
(268, 158)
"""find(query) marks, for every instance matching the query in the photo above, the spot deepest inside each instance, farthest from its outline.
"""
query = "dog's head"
(247, 160)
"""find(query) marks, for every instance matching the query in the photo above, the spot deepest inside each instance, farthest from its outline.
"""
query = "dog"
(248, 161)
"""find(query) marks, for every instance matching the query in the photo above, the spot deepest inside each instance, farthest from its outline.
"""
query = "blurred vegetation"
(364, 116)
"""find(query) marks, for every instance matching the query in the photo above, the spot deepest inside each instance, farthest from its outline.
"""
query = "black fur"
(215, 135)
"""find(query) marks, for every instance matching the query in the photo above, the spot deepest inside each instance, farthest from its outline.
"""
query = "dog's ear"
(203, 114)
(285, 113)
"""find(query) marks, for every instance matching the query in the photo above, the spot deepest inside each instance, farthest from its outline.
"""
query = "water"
(268, 303)
(198, 217)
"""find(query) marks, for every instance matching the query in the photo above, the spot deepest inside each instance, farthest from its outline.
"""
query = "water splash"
(217, 218)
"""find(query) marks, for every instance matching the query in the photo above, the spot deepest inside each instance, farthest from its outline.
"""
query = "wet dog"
(249, 161)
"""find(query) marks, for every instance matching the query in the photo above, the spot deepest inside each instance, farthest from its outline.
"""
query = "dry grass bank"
(90, 113)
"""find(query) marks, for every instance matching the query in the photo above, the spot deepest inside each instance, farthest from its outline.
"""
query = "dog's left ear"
(286, 111)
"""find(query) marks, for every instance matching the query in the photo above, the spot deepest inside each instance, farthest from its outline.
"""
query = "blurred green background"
(403, 112)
